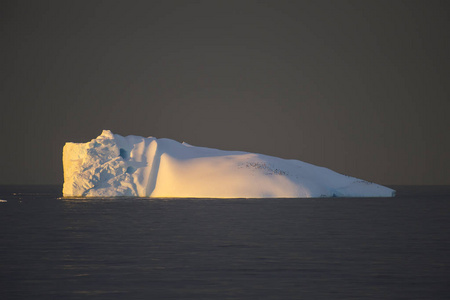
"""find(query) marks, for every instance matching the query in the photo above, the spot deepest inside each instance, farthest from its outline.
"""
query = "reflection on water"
(224, 248)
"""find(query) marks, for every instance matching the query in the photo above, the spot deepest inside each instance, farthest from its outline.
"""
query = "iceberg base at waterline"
(113, 166)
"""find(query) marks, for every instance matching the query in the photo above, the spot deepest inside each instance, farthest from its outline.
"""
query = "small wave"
(33, 194)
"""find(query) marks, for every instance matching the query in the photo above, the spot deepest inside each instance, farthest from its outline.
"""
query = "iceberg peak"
(107, 134)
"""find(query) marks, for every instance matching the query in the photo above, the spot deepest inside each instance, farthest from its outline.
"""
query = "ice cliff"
(112, 165)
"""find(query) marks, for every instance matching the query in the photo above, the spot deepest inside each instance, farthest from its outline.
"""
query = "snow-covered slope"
(112, 165)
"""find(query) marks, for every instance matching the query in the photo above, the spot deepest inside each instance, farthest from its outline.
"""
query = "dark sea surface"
(336, 248)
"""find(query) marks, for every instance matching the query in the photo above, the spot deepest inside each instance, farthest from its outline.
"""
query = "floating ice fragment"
(112, 165)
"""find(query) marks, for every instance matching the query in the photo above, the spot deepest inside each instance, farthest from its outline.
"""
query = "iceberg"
(112, 165)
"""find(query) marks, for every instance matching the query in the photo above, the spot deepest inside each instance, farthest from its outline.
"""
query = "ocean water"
(337, 248)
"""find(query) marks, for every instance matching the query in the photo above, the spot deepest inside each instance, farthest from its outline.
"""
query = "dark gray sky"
(361, 87)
